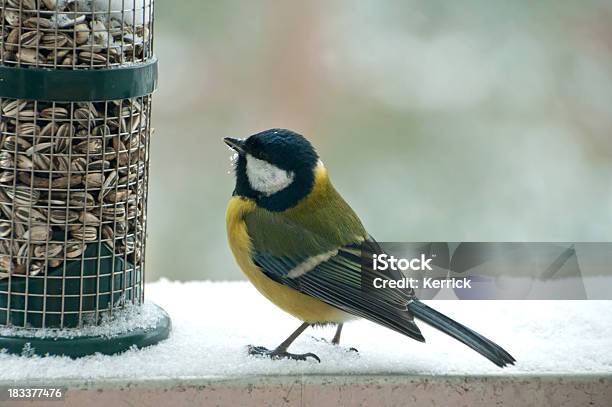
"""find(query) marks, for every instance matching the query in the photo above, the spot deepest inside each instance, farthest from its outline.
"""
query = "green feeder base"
(80, 346)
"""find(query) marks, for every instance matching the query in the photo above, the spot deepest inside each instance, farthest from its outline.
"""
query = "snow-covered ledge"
(562, 348)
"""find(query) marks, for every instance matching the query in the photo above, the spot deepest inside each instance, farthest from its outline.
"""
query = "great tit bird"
(301, 246)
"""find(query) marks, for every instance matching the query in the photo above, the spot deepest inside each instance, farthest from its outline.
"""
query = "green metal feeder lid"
(82, 85)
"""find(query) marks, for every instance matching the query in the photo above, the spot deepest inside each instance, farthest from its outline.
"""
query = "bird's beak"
(235, 143)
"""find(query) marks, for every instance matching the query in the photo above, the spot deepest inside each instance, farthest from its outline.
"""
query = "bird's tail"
(479, 343)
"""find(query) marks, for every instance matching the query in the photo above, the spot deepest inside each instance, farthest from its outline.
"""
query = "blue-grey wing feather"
(339, 281)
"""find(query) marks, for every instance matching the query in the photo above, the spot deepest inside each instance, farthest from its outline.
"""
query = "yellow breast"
(301, 306)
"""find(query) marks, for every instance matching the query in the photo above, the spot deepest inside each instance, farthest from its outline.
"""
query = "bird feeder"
(76, 78)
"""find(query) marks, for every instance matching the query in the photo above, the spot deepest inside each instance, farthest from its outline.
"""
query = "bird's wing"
(314, 263)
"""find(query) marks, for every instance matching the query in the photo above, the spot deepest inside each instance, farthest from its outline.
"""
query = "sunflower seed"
(87, 233)
(54, 113)
(85, 117)
(94, 180)
(81, 35)
(81, 199)
(5, 228)
(121, 228)
(27, 114)
(49, 4)
(127, 179)
(42, 162)
(110, 213)
(122, 156)
(89, 147)
(48, 250)
(98, 165)
(132, 211)
(53, 41)
(44, 182)
(60, 164)
(12, 40)
(57, 55)
(79, 165)
(74, 249)
(15, 143)
(62, 216)
(30, 215)
(24, 162)
(101, 131)
(66, 130)
(92, 57)
(7, 177)
(88, 218)
(109, 154)
(30, 39)
(23, 195)
(48, 131)
(109, 183)
(29, 56)
(38, 234)
(36, 267)
(6, 160)
(12, 17)
(27, 129)
(40, 148)
(6, 265)
(23, 254)
(11, 108)
(23, 4)
(67, 61)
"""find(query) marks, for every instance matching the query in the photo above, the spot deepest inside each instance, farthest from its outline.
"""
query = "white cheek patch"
(265, 177)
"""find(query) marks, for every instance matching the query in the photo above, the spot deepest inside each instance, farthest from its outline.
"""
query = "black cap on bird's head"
(274, 167)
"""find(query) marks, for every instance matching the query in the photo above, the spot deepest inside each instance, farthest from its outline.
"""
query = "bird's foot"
(276, 354)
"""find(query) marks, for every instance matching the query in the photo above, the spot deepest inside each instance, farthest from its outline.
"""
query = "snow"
(126, 10)
(127, 319)
(213, 322)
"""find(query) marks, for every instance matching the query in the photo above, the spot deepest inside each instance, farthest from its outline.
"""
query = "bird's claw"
(274, 354)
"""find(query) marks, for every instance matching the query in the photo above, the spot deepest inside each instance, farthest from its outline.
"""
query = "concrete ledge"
(320, 391)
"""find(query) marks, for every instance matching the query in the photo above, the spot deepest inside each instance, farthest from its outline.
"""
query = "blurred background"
(438, 120)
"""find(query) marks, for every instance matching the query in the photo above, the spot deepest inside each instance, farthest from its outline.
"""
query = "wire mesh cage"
(72, 208)
(74, 156)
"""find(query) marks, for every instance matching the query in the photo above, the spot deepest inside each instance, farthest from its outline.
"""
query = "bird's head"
(275, 168)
